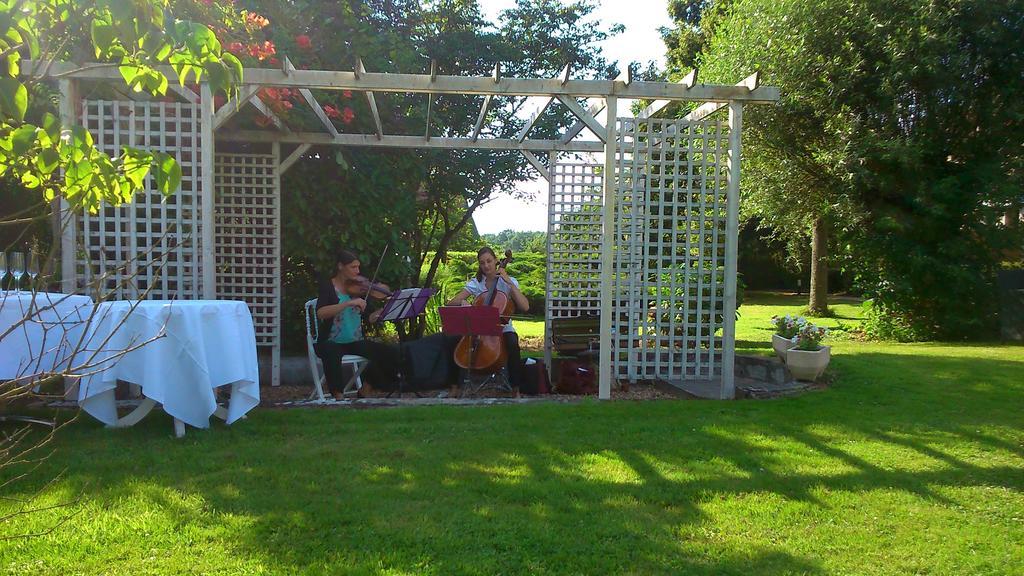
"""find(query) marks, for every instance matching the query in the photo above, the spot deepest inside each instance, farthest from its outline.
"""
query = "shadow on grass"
(590, 488)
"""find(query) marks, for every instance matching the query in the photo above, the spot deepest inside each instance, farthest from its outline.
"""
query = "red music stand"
(470, 320)
(473, 321)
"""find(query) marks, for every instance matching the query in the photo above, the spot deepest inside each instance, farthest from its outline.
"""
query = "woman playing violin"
(489, 275)
(341, 300)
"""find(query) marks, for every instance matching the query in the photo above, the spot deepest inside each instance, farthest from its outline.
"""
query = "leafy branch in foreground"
(135, 37)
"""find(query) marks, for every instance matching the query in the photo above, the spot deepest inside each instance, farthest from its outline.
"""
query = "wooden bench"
(576, 336)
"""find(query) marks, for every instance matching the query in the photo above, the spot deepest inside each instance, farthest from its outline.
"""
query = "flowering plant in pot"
(808, 358)
(786, 329)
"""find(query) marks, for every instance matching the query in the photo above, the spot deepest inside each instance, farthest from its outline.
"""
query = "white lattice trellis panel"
(247, 246)
(151, 246)
(668, 300)
(574, 243)
(574, 240)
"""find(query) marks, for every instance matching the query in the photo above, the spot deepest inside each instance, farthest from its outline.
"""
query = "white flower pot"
(780, 345)
(808, 364)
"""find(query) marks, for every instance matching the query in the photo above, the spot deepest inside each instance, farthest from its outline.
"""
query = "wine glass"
(17, 269)
(33, 269)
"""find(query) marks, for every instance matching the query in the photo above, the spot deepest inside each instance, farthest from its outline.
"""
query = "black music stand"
(405, 303)
(474, 321)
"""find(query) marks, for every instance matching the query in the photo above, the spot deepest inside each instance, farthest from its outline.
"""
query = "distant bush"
(882, 324)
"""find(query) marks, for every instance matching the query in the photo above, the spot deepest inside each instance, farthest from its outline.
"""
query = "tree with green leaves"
(899, 131)
(695, 22)
(789, 184)
(518, 240)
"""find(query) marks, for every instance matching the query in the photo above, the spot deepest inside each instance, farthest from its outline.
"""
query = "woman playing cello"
(490, 276)
(340, 302)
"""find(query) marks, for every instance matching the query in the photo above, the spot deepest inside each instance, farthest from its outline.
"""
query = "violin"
(362, 287)
(487, 353)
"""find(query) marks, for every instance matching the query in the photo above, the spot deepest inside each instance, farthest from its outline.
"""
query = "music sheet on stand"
(403, 303)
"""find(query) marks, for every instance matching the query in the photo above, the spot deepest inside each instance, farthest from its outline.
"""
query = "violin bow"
(377, 269)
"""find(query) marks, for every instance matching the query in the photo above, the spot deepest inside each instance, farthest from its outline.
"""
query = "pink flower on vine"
(303, 42)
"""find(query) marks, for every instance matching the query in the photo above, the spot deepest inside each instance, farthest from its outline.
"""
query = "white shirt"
(477, 287)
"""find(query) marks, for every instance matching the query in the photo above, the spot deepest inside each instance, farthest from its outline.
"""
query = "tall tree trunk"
(819, 268)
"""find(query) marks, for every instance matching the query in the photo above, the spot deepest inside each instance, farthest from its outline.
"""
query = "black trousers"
(381, 372)
(514, 365)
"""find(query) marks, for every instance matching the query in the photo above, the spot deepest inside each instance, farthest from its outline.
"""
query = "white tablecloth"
(205, 344)
(46, 341)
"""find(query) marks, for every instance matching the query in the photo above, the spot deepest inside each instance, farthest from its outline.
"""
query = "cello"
(487, 353)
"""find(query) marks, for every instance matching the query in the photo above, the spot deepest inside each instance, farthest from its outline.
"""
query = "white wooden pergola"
(652, 249)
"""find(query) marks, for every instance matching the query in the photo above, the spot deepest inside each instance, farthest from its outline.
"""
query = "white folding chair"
(358, 363)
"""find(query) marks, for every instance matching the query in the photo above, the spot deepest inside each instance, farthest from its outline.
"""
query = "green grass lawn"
(529, 327)
(912, 462)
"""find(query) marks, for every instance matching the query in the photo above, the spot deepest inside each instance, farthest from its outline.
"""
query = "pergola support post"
(208, 194)
(607, 254)
(552, 159)
(66, 220)
(275, 353)
(728, 391)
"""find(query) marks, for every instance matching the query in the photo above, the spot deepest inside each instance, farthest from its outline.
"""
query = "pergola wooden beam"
(397, 141)
(533, 120)
(658, 105)
(426, 130)
(564, 75)
(701, 112)
(360, 72)
(307, 94)
(185, 93)
(266, 111)
(229, 109)
(471, 85)
(588, 120)
(430, 99)
(293, 158)
(626, 76)
(707, 109)
(578, 127)
(540, 167)
(483, 115)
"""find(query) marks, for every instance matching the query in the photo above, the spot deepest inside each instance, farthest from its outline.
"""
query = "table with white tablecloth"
(40, 331)
(178, 352)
